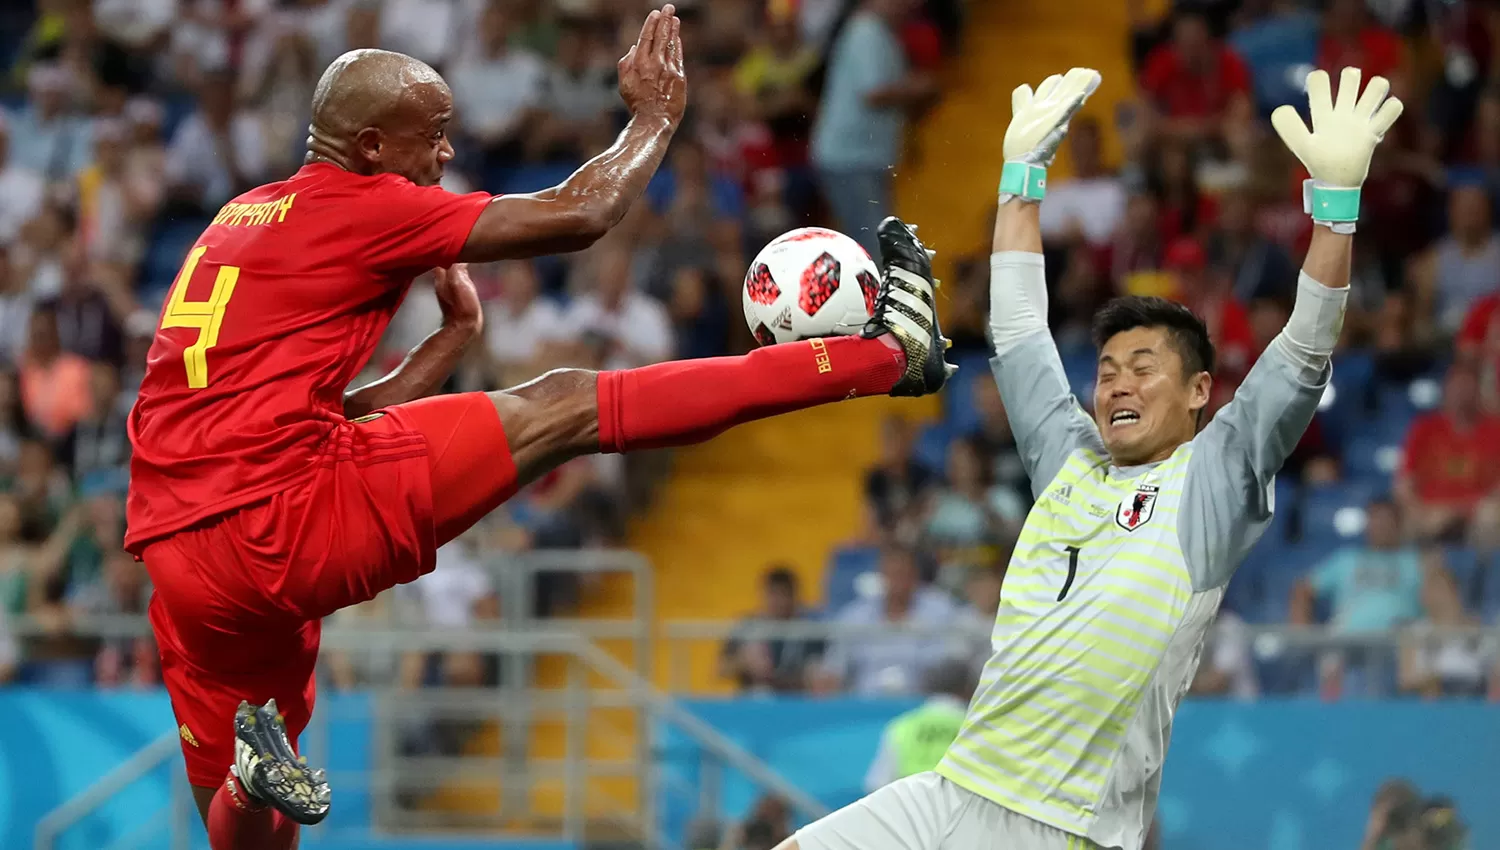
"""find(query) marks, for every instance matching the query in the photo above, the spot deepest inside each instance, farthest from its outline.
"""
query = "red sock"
(689, 401)
(234, 823)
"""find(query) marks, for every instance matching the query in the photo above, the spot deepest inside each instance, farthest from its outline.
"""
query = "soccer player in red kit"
(264, 496)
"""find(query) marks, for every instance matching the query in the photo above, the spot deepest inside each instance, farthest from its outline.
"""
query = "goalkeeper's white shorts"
(927, 812)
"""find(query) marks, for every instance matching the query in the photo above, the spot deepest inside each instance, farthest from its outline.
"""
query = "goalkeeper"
(1139, 520)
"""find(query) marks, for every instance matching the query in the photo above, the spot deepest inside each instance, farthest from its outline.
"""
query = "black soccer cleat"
(906, 309)
(271, 772)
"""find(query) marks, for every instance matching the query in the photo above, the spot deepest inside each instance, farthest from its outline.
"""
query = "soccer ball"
(808, 283)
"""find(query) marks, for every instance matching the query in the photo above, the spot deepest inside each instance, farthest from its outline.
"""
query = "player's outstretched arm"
(1047, 421)
(428, 365)
(575, 214)
(1238, 454)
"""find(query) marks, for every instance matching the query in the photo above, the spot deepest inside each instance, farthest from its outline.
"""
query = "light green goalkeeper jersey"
(1116, 577)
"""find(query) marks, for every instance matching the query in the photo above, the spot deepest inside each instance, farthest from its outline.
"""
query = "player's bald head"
(375, 111)
(365, 88)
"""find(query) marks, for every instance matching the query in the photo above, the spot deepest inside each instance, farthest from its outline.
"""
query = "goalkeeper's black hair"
(1186, 332)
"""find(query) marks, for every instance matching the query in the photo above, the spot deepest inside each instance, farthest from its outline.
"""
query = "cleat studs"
(947, 343)
(280, 720)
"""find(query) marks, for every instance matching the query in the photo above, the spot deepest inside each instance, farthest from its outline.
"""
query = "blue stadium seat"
(1335, 513)
(169, 245)
(1465, 564)
(1372, 459)
(931, 448)
(1082, 368)
(960, 411)
(844, 569)
(1489, 592)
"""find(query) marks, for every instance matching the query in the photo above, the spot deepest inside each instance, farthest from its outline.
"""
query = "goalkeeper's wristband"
(1023, 180)
(1333, 206)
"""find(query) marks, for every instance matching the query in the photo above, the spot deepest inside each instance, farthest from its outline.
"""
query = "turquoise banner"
(55, 744)
(1260, 776)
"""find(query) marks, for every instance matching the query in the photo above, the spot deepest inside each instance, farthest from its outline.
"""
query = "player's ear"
(368, 144)
(1199, 387)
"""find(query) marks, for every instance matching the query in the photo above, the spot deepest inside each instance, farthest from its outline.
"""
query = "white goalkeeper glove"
(1037, 126)
(1337, 151)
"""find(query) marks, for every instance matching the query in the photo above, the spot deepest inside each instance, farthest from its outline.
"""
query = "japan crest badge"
(1136, 509)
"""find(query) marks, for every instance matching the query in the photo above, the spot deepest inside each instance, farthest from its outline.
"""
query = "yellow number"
(206, 316)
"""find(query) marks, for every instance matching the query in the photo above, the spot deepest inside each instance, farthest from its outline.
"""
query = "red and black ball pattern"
(819, 281)
(763, 335)
(761, 286)
(870, 287)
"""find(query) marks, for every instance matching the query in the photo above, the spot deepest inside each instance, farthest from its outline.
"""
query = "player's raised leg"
(478, 459)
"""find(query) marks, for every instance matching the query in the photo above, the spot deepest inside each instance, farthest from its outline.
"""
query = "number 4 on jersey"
(206, 316)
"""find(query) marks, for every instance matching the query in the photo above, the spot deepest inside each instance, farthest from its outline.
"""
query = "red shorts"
(239, 598)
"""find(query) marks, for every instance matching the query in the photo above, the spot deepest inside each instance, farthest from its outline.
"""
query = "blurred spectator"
(700, 316)
(577, 98)
(891, 661)
(1089, 205)
(976, 618)
(914, 742)
(113, 210)
(1351, 38)
(21, 189)
(10, 650)
(54, 383)
(633, 328)
(1463, 266)
(39, 256)
(1370, 587)
(519, 323)
(895, 485)
(995, 441)
(1185, 209)
(1195, 83)
(100, 445)
(45, 136)
(969, 509)
(124, 591)
(92, 304)
(765, 662)
(15, 310)
(457, 595)
(1209, 295)
(1227, 668)
(1394, 810)
(775, 75)
(1255, 266)
(766, 826)
(41, 489)
(862, 117)
(1444, 666)
(496, 88)
(420, 28)
(217, 152)
(1450, 461)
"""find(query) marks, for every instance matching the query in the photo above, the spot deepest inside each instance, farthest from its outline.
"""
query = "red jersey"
(1451, 466)
(277, 307)
(1183, 95)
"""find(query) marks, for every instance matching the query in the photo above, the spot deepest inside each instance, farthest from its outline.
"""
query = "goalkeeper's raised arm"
(1229, 493)
(1047, 421)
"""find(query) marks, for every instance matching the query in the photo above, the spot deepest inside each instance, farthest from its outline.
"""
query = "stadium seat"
(169, 245)
(1335, 514)
(844, 569)
(1466, 566)
(1081, 367)
(1371, 460)
(931, 448)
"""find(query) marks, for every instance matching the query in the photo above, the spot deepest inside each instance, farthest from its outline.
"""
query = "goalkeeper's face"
(1145, 403)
